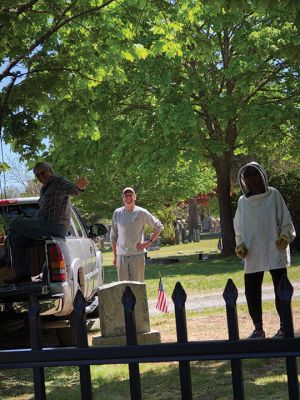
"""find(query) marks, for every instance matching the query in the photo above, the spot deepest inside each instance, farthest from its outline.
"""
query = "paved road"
(215, 299)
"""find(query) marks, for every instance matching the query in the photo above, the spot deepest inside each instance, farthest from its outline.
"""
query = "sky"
(12, 159)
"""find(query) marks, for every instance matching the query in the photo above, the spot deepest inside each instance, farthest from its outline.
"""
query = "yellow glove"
(283, 241)
(241, 250)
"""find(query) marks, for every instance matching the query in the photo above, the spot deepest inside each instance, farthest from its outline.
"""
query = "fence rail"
(232, 349)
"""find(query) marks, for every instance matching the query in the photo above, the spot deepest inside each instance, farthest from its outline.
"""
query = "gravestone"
(111, 314)
(177, 239)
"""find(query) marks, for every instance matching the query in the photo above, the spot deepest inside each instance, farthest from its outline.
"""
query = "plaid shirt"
(54, 202)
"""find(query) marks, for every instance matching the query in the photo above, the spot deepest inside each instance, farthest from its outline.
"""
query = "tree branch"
(263, 83)
(44, 37)
(35, 71)
(133, 107)
(20, 8)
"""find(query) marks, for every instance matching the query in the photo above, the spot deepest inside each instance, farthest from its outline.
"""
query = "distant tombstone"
(196, 235)
(218, 225)
(177, 241)
(183, 235)
(107, 236)
(206, 223)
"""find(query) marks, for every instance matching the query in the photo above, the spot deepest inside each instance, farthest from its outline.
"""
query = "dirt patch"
(214, 327)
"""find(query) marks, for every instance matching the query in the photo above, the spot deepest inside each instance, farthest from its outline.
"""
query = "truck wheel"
(66, 337)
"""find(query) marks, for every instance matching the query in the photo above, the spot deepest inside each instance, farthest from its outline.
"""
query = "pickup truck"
(59, 266)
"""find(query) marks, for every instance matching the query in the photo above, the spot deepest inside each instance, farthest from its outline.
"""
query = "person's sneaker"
(279, 334)
(257, 334)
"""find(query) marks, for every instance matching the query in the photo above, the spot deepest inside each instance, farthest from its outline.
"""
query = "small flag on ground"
(162, 304)
(220, 245)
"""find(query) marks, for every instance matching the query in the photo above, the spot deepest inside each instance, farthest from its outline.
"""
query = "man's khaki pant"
(131, 268)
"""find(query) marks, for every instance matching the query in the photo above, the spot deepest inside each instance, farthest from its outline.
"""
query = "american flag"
(220, 245)
(162, 304)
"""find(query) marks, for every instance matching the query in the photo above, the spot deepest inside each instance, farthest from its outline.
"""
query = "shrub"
(167, 216)
(289, 186)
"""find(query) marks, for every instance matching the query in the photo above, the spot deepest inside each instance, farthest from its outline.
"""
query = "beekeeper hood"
(247, 169)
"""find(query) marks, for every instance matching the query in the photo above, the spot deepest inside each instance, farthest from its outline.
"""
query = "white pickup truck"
(59, 266)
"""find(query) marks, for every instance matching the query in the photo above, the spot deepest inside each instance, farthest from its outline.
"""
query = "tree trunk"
(222, 166)
(193, 217)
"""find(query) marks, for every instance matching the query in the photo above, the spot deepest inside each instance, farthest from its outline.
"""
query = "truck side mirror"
(97, 230)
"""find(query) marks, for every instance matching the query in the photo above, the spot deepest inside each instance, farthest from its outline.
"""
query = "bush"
(168, 234)
(167, 215)
(289, 186)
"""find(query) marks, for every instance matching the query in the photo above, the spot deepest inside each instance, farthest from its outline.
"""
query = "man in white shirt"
(127, 237)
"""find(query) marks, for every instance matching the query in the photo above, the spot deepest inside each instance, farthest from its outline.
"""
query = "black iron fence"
(183, 351)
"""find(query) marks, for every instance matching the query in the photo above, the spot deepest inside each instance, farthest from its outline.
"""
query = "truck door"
(88, 254)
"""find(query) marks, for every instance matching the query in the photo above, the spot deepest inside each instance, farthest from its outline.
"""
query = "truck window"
(78, 225)
(9, 212)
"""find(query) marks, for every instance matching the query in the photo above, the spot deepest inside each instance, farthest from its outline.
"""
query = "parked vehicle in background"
(59, 267)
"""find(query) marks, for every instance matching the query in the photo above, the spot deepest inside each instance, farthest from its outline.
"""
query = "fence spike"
(230, 293)
(128, 299)
(179, 295)
(34, 306)
(79, 302)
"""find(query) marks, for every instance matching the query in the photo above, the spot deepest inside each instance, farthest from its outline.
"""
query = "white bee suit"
(258, 222)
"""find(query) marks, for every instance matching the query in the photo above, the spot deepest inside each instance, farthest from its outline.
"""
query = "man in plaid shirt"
(53, 217)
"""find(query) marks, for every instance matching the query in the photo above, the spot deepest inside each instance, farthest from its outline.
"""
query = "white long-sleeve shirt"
(127, 229)
(258, 222)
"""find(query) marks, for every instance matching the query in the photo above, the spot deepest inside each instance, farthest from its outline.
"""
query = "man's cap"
(128, 189)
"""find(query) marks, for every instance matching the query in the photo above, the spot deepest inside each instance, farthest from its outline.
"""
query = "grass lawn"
(211, 380)
(196, 276)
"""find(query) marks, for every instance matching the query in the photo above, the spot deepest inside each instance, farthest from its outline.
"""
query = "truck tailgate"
(23, 291)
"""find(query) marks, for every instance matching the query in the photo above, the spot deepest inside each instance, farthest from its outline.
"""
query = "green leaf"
(140, 51)
(4, 167)
(127, 55)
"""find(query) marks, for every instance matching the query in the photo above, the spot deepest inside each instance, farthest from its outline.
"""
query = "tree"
(215, 78)
(205, 80)
(167, 84)
(57, 55)
(160, 178)
(34, 61)
(21, 181)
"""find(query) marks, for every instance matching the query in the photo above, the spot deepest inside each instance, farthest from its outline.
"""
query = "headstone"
(111, 314)
(183, 234)
(176, 236)
(196, 235)
(206, 224)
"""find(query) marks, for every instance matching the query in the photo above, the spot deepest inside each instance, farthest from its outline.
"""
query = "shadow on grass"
(187, 265)
(191, 265)
(264, 379)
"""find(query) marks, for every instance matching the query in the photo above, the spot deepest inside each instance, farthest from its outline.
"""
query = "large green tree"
(56, 84)
(148, 91)
(221, 77)
(35, 63)
(203, 79)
